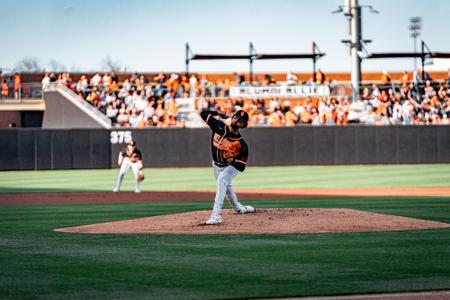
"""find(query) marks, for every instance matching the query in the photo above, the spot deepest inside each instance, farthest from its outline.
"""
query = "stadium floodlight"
(339, 10)
(415, 24)
(373, 10)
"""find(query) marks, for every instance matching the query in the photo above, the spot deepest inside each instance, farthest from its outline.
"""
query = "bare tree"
(28, 64)
(109, 64)
(56, 66)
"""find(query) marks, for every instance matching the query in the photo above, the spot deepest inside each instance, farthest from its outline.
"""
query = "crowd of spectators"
(139, 102)
(407, 105)
(11, 86)
(135, 102)
(277, 112)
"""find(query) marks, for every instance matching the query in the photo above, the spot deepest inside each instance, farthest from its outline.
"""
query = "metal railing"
(29, 90)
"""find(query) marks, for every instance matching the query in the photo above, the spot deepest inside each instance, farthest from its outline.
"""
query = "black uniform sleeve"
(213, 123)
(138, 154)
(240, 162)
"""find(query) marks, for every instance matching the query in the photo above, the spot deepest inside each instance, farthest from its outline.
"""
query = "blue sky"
(150, 35)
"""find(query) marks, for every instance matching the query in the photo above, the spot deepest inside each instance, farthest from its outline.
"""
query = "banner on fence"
(294, 91)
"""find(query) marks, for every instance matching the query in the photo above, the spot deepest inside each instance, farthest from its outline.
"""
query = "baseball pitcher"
(229, 154)
(131, 157)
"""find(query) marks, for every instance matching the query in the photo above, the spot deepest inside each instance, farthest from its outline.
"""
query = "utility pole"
(415, 24)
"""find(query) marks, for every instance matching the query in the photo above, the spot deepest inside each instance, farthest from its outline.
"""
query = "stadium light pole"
(355, 31)
(352, 11)
(415, 24)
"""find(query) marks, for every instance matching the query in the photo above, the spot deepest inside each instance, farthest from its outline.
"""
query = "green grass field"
(173, 179)
(38, 263)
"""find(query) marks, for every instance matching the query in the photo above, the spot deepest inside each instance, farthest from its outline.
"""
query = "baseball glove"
(233, 149)
(134, 158)
(141, 176)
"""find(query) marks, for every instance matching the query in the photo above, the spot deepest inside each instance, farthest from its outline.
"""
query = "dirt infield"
(433, 295)
(264, 221)
(177, 196)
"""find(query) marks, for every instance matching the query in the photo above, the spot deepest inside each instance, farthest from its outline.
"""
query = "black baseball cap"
(242, 115)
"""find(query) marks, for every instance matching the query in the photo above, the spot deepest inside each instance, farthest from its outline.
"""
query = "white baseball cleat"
(246, 209)
(214, 220)
(249, 209)
(137, 190)
(116, 189)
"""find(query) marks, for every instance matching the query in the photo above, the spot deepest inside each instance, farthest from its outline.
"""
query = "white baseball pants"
(124, 167)
(224, 188)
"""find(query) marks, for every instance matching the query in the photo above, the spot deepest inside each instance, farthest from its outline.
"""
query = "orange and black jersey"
(221, 140)
(135, 154)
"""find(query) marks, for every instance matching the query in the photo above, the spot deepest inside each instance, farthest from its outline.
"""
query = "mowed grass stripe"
(253, 178)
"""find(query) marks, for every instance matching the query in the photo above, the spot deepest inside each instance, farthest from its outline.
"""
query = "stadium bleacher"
(152, 100)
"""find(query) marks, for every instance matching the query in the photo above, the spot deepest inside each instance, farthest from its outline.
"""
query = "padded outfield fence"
(39, 149)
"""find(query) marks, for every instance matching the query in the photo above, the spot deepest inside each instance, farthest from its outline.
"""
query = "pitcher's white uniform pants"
(124, 167)
(224, 188)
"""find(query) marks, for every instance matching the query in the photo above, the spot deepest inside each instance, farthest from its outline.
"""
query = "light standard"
(352, 11)
(415, 24)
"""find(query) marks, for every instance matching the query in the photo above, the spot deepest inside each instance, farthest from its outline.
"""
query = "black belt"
(220, 165)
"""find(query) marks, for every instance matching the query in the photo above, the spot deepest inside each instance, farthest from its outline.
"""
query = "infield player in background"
(130, 157)
(229, 153)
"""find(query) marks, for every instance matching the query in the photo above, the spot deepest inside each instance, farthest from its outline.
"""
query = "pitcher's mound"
(274, 220)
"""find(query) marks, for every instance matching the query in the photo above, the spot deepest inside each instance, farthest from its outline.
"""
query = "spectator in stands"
(289, 115)
(140, 102)
(268, 80)
(143, 79)
(106, 80)
(67, 80)
(114, 76)
(111, 112)
(315, 118)
(426, 76)
(342, 116)
(304, 114)
(366, 94)
(405, 78)
(17, 86)
(429, 90)
(134, 77)
(82, 84)
(134, 118)
(258, 119)
(239, 79)
(319, 77)
(291, 78)
(160, 78)
(5, 89)
(45, 81)
(375, 91)
(276, 118)
(53, 77)
(203, 84)
(193, 86)
(385, 78)
(96, 80)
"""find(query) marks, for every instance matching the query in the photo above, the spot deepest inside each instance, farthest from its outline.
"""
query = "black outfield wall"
(29, 149)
